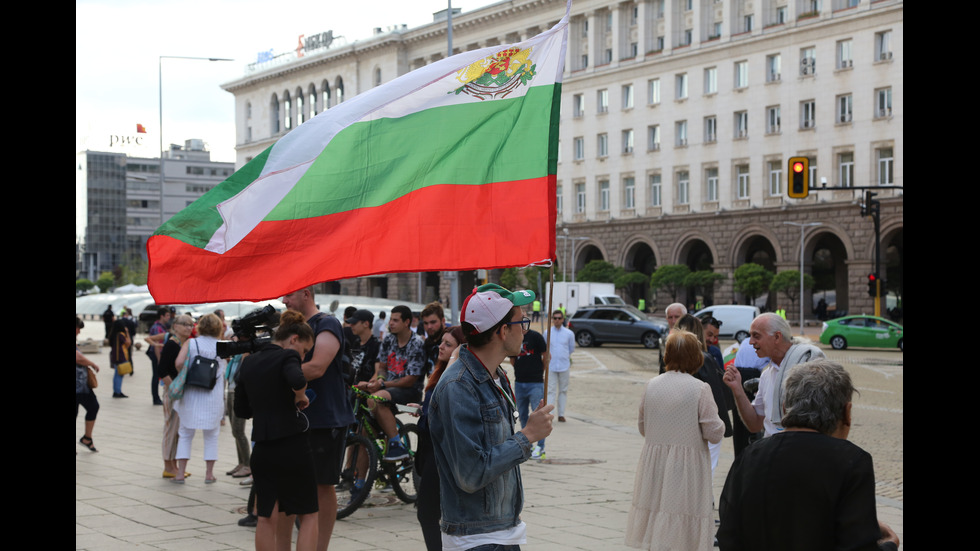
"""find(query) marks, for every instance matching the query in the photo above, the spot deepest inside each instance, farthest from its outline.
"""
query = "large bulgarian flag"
(449, 167)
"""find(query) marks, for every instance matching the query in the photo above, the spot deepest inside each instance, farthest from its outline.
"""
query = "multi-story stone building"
(678, 118)
(124, 203)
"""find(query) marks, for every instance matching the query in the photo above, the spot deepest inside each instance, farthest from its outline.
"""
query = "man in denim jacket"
(472, 417)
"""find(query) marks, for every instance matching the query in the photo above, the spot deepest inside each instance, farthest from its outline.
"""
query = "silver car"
(595, 325)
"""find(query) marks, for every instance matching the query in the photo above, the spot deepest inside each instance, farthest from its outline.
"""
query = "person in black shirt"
(529, 380)
(364, 347)
(272, 390)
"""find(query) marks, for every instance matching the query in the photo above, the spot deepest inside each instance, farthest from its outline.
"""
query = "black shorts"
(404, 395)
(328, 453)
(283, 472)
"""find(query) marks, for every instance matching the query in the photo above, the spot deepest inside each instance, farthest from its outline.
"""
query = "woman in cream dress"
(672, 492)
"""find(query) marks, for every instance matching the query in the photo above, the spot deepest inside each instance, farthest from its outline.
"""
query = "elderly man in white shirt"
(770, 336)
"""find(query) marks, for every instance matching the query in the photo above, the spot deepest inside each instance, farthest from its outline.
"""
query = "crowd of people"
(476, 427)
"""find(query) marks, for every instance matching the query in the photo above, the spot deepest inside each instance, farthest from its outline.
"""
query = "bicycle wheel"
(401, 474)
(360, 463)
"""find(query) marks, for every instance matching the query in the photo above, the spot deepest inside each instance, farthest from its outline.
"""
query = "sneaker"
(396, 452)
(356, 487)
(249, 520)
(543, 456)
(536, 452)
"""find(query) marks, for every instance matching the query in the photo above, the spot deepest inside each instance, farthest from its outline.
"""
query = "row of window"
(844, 105)
(741, 182)
(203, 171)
(300, 106)
(681, 88)
(745, 23)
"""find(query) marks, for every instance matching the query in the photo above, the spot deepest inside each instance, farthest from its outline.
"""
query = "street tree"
(599, 271)
(670, 278)
(634, 283)
(788, 283)
(703, 282)
(83, 286)
(752, 280)
(509, 278)
(105, 282)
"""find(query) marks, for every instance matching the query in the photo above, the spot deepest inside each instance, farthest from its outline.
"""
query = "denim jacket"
(476, 449)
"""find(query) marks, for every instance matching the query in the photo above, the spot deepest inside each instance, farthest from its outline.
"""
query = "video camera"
(247, 328)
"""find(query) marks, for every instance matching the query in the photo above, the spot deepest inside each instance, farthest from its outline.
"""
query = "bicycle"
(362, 467)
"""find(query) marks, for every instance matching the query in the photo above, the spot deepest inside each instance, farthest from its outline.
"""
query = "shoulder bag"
(203, 372)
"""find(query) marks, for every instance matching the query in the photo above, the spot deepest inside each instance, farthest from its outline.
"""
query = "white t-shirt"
(561, 347)
(511, 536)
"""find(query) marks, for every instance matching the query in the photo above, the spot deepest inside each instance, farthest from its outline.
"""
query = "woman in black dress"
(271, 390)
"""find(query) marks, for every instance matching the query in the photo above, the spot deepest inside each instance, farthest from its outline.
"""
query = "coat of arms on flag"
(497, 75)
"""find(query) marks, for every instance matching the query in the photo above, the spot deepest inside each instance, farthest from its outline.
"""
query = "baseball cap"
(488, 304)
(360, 315)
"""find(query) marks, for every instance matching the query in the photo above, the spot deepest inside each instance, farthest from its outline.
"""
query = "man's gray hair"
(815, 396)
(675, 305)
(774, 322)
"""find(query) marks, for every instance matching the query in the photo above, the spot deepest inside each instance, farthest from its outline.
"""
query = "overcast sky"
(118, 44)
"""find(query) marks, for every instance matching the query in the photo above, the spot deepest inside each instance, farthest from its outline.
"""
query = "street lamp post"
(802, 227)
(160, 97)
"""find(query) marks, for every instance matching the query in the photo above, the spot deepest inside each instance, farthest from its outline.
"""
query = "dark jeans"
(428, 503)
(529, 395)
(154, 381)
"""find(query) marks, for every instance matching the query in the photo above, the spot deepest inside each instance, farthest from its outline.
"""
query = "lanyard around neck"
(507, 394)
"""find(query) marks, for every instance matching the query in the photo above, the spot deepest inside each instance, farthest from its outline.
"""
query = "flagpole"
(547, 363)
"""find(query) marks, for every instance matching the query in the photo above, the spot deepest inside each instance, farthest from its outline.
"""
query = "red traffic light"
(799, 177)
(872, 277)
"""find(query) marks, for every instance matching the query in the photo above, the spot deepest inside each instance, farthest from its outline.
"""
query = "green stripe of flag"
(372, 163)
(197, 223)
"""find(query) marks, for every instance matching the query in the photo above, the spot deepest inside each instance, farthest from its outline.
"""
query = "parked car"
(148, 317)
(862, 331)
(595, 325)
(735, 319)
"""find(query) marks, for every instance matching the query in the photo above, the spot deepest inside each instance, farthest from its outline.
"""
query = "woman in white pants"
(201, 408)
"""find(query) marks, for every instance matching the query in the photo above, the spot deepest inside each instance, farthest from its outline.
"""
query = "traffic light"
(799, 177)
(873, 284)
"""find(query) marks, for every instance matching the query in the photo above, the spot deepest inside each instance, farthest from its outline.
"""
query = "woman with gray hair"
(806, 488)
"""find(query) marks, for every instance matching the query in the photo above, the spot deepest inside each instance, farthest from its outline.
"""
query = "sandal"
(87, 442)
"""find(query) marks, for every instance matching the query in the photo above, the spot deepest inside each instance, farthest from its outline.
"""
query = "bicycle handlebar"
(401, 408)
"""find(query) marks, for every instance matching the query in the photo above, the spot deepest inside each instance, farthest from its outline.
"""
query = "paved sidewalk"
(578, 499)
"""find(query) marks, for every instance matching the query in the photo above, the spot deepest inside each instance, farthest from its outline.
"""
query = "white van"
(735, 319)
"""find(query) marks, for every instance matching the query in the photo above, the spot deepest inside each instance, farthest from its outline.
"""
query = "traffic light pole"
(800, 188)
(872, 207)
